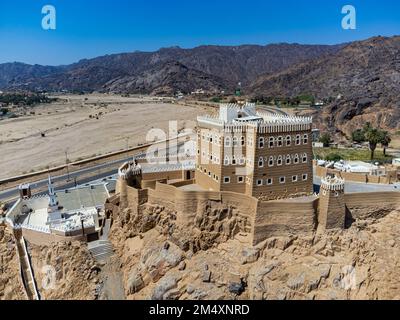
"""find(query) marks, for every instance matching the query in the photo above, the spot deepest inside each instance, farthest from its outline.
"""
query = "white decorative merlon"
(235, 118)
(129, 169)
(332, 183)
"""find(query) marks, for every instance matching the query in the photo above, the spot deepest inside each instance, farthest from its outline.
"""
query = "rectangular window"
(269, 181)
(305, 177)
(240, 179)
(294, 178)
(282, 180)
(259, 182)
(227, 179)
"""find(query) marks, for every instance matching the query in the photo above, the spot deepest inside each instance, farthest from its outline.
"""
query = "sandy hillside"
(71, 125)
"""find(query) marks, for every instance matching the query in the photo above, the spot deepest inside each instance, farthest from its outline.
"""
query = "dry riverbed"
(84, 126)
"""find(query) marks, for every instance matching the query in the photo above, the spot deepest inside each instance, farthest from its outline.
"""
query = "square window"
(294, 178)
(227, 179)
(305, 177)
(240, 179)
(259, 182)
(269, 181)
(282, 180)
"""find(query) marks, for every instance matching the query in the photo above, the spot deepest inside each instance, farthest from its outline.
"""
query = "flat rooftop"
(75, 199)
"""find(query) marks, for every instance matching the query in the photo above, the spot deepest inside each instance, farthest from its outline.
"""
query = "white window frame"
(226, 161)
(239, 178)
(259, 182)
(280, 159)
(227, 142)
(295, 178)
(298, 140)
(296, 159)
(305, 176)
(305, 139)
(261, 162)
(227, 180)
(261, 142)
(280, 180)
(288, 160)
(269, 183)
(269, 161)
(288, 141)
(305, 156)
(271, 142)
(279, 142)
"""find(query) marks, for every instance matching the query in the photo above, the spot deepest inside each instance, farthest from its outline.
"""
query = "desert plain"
(77, 127)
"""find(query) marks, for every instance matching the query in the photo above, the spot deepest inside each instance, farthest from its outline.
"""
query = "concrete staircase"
(101, 250)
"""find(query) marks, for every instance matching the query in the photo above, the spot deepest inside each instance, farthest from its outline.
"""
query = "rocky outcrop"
(65, 271)
(11, 287)
(362, 80)
(357, 263)
(164, 71)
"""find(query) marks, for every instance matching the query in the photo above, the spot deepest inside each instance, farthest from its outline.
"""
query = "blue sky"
(89, 28)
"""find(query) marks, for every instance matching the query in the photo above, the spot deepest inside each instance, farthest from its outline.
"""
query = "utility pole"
(67, 164)
(127, 143)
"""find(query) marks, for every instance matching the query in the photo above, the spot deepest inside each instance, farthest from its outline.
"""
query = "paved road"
(96, 172)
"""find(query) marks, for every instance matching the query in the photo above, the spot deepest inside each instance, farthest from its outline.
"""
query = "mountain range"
(361, 79)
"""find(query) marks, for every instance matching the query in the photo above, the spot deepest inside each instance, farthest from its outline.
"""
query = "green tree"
(333, 157)
(373, 136)
(358, 136)
(325, 139)
(386, 140)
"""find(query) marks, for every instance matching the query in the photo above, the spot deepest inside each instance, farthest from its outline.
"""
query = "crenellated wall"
(261, 219)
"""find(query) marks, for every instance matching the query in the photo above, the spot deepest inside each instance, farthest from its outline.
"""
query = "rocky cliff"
(11, 287)
(360, 262)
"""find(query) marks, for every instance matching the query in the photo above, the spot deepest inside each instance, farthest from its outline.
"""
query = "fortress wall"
(356, 177)
(43, 239)
(349, 176)
(370, 199)
(167, 175)
(151, 184)
(284, 217)
(182, 183)
(188, 204)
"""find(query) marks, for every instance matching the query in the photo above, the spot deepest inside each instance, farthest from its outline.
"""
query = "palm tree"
(386, 140)
(373, 136)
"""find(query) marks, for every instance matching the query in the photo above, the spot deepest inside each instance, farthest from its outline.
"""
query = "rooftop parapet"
(233, 117)
(332, 183)
(129, 169)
